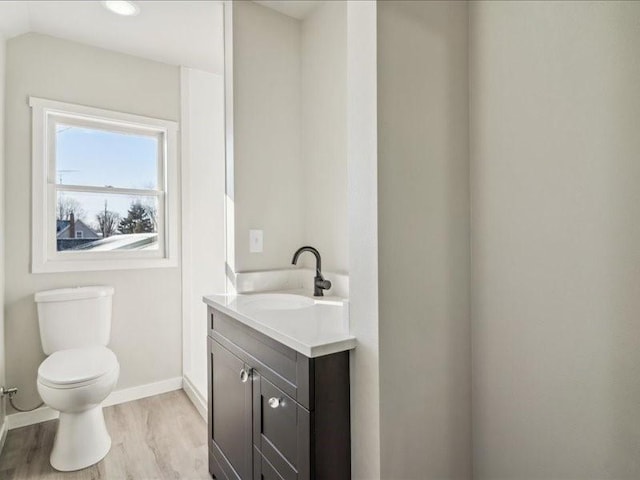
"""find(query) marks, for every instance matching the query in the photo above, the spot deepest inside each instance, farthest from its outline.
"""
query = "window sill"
(103, 265)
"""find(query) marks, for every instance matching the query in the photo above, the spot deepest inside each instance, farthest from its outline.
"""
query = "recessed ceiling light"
(122, 7)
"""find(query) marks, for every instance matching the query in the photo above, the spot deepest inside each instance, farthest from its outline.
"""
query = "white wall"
(290, 135)
(555, 103)
(362, 145)
(268, 171)
(323, 53)
(2, 232)
(203, 231)
(146, 330)
(423, 231)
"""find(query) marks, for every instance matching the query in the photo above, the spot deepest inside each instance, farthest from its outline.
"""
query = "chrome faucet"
(319, 283)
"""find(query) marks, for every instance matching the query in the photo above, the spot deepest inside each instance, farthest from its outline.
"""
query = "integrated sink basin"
(276, 301)
(311, 326)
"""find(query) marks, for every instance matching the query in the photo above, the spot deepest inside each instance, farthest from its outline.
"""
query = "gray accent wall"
(3, 405)
(555, 168)
(509, 129)
(423, 228)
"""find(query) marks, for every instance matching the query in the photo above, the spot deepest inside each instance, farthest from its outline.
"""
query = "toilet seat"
(77, 367)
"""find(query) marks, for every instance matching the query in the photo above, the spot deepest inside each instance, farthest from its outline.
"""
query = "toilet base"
(82, 440)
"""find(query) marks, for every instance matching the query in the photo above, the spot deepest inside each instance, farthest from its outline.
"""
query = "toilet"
(79, 372)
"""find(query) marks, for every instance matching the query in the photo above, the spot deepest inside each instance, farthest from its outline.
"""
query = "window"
(104, 189)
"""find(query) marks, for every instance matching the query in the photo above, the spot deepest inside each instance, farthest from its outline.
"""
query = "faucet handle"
(322, 283)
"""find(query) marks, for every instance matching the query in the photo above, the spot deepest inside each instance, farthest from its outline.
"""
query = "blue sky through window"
(100, 158)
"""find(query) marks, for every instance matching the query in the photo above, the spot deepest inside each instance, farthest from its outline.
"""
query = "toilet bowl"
(75, 382)
(79, 372)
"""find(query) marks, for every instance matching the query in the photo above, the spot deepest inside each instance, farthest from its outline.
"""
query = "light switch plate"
(255, 241)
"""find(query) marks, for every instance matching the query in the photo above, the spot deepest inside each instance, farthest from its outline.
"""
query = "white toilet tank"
(74, 317)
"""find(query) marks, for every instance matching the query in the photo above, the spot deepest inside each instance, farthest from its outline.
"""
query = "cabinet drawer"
(281, 430)
(283, 366)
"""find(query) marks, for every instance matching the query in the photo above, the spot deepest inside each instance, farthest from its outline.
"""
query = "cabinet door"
(262, 469)
(231, 413)
(281, 430)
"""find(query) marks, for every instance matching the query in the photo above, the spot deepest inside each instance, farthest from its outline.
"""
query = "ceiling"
(188, 33)
(299, 9)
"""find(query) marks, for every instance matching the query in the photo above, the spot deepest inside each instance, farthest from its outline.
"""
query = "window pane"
(86, 156)
(106, 222)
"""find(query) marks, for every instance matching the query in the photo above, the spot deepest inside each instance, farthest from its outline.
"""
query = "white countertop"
(315, 330)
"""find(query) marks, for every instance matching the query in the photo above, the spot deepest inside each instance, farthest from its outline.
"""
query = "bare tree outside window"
(67, 206)
(107, 222)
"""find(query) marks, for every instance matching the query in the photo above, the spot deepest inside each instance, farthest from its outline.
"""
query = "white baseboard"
(195, 396)
(143, 391)
(42, 414)
(22, 419)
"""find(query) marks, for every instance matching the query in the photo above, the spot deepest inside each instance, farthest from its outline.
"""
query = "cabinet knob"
(275, 402)
(245, 374)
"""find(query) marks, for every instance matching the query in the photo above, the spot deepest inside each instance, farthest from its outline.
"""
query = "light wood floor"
(160, 437)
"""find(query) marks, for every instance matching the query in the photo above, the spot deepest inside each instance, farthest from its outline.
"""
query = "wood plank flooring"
(161, 437)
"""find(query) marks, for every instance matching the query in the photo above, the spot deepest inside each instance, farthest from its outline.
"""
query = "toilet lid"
(77, 365)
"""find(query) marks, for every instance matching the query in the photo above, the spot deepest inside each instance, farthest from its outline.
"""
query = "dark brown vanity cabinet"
(274, 414)
(230, 419)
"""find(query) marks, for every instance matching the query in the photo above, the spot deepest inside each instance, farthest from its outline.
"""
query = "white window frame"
(79, 234)
(45, 257)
